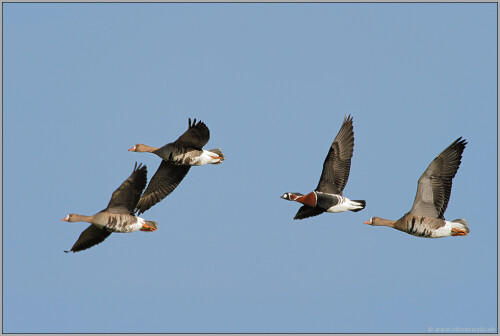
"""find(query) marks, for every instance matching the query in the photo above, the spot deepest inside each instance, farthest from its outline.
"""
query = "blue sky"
(85, 82)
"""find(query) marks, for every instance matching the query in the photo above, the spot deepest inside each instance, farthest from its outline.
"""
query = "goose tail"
(219, 153)
(357, 205)
(148, 225)
(459, 227)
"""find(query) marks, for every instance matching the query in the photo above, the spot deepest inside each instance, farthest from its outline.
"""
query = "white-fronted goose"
(177, 159)
(118, 215)
(327, 197)
(426, 217)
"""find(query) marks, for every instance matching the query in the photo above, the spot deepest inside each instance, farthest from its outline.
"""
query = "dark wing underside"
(164, 181)
(338, 161)
(125, 198)
(434, 186)
(89, 237)
(307, 211)
(196, 136)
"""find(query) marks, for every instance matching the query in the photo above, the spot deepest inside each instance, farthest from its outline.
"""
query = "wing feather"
(164, 181)
(337, 164)
(89, 237)
(125, 198)
(306, 211)
(434, 186)
(196, 136)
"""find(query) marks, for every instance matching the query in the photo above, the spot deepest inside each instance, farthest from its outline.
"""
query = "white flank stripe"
(344, 205)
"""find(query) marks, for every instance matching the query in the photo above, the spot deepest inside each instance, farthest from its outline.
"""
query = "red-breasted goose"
(118, 215)
(426, 217)
(178, 157)
(327, 197)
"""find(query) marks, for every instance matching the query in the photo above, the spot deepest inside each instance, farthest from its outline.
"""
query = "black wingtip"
(192, 123)
(458, 144)
(460, 141)
(139, 166)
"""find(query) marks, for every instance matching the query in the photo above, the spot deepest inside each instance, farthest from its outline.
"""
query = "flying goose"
(426, 217)
(327, 197)
(118, 215)
(177, 159)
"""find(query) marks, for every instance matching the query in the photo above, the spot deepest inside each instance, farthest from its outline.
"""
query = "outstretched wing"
(434, 186)
(196, 136)
(125, 198)
(89, 237)
(307, 211)
(338, 161)
(164, 181)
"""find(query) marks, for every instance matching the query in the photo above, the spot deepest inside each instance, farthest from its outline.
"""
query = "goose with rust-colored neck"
(327, 197)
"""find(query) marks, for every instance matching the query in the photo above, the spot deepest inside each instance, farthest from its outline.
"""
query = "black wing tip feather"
(306, 211)
(194, 124)
(346, 130)
(460, 143)
(140, 167)
(139, 176)
(453, 153)
(348, 121)
(297, 217)
(457, 145)
(301, 217)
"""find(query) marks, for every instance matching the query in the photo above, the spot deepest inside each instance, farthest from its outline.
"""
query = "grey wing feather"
(89, 237)
(434, 186)
(125, 198)
(164, 181)
(306, 211)
(196, 136)
(337, 164)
